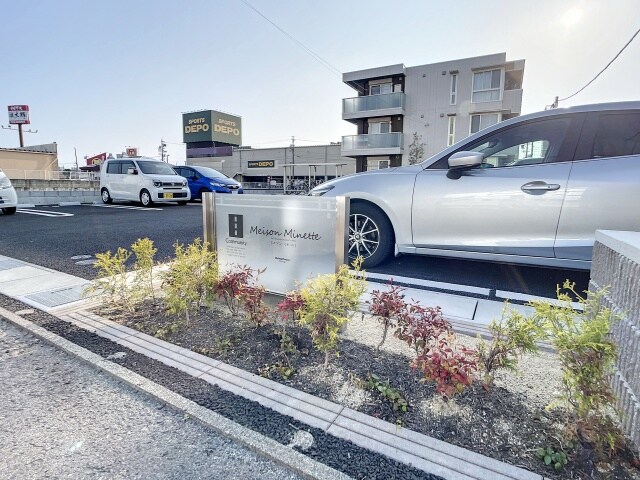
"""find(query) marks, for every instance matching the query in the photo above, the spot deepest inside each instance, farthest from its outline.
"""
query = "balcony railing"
(372, 140)
(373, 102)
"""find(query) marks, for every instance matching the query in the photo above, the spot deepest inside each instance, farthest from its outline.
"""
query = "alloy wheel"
(364, 236)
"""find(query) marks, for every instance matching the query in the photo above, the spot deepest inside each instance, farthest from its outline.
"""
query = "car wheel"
(106, 198)
(9, 210)
(145, 198)
(182, 203)
(370, 235)
(203, 190)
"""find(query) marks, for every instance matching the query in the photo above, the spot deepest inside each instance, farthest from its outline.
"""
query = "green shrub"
(112, 279)
(587, 355)
(144, 252)
(191, 279)
(328, 303)
(512, 336)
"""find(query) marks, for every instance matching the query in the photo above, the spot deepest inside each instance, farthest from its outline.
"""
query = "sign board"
(18, 114)
(132, 152)
(97, 159)
(292, 238)
(261, 164)
(211, 126)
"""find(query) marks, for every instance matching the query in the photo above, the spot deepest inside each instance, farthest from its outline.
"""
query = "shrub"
(191, 278)
(387, 306)
(512, 336)
(289, 308)
(421, 327)
(328, 303)
(112, 281)
(144, 252)
(232, 285)
(252, 299)
(386, 391)
(587, 356)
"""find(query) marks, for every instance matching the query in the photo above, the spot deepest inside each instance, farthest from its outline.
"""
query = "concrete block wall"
(616, 265)
(55, 192)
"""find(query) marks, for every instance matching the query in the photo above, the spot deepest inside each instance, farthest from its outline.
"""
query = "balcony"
(373, 106)
(373, 144)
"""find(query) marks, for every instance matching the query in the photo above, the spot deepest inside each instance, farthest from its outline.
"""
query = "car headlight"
(5, 183)
(320, 190)
(157, 184)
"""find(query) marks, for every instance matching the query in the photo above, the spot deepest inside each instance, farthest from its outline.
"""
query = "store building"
(441, 103)
(36, 162)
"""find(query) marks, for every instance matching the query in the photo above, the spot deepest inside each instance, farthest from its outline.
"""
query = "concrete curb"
(403, 445)
(281, 454)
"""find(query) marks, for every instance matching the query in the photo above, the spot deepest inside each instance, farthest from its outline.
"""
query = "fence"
(616, 264)
(20, 174)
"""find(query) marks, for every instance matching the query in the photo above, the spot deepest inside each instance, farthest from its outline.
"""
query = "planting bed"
(509, 422)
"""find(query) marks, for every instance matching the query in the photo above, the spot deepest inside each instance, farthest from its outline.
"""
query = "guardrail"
(20, 174)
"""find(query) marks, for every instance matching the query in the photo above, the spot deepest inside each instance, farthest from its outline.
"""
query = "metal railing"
(21, 174)
(372, 140)
(373, 102)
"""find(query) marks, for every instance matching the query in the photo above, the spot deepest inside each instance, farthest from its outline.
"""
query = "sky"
(103, 75)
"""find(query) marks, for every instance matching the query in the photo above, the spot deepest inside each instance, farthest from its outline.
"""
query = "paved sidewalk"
(60, 418)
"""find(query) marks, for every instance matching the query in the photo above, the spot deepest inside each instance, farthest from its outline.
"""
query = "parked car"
(142, 179)
(205, 179)
(8, 196)
(532, 190)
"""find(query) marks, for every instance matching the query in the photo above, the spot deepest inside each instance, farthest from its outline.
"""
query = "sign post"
(290, 238)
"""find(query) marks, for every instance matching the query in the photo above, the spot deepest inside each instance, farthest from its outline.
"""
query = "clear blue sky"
(101, 75)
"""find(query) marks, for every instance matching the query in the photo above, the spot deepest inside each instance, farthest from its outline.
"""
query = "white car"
(8, 196)
(141, 179)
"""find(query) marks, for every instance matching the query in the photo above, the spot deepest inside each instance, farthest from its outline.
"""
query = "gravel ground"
(60, 418)
(342, 455)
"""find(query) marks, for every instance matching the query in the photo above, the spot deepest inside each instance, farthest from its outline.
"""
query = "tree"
(416, 149)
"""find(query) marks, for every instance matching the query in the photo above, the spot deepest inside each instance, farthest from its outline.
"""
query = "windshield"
(209, 172)
(156, 168)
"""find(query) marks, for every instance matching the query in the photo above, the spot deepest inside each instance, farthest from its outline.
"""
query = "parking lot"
(67, 238)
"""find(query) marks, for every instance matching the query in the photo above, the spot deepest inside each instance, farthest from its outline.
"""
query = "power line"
(601, 71)
(317, 57)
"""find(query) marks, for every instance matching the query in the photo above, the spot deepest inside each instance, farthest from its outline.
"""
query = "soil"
(505, 423)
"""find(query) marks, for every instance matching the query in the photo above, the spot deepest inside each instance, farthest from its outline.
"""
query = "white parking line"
(128, 207)
(44, 213)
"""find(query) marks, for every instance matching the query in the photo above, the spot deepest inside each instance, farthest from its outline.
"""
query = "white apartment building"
(441, 102)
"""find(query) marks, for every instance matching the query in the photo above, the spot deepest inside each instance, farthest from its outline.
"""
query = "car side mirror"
(460, 161)
(132, 171)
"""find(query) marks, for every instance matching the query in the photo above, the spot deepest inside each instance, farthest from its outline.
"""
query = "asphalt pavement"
(59, 418)
(59, 237)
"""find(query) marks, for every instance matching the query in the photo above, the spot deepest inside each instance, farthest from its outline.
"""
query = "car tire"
(182, 202)
(106, 198)
(370, 235)
(145, 198)
(203, 190)
(9, 210)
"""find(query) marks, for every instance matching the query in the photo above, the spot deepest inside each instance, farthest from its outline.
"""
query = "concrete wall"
(55, 192)
(616, 264)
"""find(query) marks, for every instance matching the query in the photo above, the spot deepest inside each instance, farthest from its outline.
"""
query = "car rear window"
(617, 135)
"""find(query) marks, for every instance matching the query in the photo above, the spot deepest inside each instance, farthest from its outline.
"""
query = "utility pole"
(161, 149)
(293, 156)
(75, 152)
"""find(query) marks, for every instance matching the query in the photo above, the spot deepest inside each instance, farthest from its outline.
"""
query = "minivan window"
(617, 135)
(126, 165)
(113, 167)
(155, 168)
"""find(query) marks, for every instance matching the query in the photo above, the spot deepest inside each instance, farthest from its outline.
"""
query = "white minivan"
(8, 197)
(142, 180)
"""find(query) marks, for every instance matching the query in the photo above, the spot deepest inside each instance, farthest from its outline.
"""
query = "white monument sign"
(291, 237)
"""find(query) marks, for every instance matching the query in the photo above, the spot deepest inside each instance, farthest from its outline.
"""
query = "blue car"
(205, 179)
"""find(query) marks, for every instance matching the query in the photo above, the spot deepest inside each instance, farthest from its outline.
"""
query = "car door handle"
(539, 186)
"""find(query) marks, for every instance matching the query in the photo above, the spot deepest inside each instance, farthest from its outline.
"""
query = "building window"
(380, 127)
(486, 86)
(484, 120)
(454, 89)
(451, 131)
(380, 89)
(376, 164)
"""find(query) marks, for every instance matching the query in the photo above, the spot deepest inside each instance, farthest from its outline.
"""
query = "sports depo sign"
(210, 125)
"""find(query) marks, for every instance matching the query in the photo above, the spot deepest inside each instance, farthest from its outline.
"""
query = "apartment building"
(441, 103)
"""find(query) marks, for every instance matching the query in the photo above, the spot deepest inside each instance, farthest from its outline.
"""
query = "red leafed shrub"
(421, 327)
(232, 284)
(450, 367)
(252, 298)
(387, 306)
(290, 306)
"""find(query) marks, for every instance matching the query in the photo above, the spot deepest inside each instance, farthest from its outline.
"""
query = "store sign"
(261, 164)
(97, 159)
(211, 126)
(18, 114)
(132, 152)
(290, 238)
